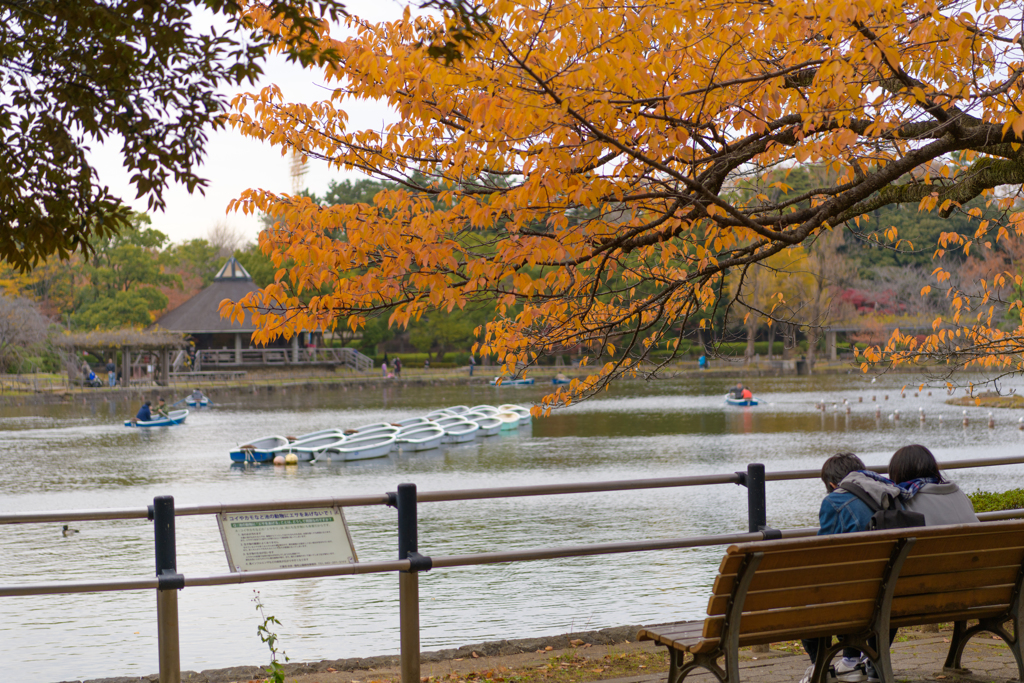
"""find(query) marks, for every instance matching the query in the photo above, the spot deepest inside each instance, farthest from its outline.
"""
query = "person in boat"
(161, 408)
(746, 394)
(737, 391)
(197, 395)
(144, 414)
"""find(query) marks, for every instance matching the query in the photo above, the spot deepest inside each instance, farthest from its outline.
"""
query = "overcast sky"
(234, 164)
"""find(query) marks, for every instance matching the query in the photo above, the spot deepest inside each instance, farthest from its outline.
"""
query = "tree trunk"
(787, 341)
(748, 356)
(812, 344)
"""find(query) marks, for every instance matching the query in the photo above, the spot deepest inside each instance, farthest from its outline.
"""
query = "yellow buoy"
(291, 459)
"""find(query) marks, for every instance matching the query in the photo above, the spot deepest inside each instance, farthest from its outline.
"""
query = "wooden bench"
(853, 587)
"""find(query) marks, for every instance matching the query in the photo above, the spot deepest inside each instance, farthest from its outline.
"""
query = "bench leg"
(962, 635)
(679, 668)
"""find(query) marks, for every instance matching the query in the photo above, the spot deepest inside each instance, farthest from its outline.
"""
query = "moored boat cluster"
(457, 424)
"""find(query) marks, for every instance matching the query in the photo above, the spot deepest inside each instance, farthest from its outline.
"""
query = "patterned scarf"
(903, 493)
(914, 485)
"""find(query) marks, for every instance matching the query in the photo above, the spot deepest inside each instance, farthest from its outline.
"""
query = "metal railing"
(410, 562)
(212, 359)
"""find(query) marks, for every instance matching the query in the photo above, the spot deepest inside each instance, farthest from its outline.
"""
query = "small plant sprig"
(275, 671)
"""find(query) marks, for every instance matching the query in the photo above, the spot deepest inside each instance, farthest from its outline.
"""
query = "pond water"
(81, 457)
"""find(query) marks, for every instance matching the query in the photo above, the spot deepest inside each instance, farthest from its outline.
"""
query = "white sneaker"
(851, 674)
(869, 671)
(830, 677)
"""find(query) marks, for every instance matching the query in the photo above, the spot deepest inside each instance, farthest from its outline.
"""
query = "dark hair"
(838, 466)
(913, 462)
(149, 403)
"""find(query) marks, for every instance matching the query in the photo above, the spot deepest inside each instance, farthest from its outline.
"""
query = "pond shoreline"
(618, 635)
(256, 385)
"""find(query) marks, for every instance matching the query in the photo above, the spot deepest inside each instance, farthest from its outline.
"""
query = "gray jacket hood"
(878, 491)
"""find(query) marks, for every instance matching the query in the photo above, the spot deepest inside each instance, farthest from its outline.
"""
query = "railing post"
(408, 584)
(757, 508)
(168, 582)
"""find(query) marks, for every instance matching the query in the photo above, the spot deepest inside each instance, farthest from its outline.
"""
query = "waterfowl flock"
(458, 424)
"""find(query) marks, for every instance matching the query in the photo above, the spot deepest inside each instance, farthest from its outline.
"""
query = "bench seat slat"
(918, 564)
(954, 581)
(806, 595)
(789, 559)
(804, 576)
(856, 611)
(963, 543)
(952, 601)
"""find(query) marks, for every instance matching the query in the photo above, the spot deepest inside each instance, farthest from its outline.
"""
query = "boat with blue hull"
(259, 450)
(175, 417)
(733, 401)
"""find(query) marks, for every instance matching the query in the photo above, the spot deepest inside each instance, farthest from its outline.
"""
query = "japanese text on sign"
(285, 539)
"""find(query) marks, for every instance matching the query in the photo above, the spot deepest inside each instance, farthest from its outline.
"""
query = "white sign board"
(285, 539)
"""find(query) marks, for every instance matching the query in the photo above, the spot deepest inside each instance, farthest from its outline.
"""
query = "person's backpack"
(894, 517)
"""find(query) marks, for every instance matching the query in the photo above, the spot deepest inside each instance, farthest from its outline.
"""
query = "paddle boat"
(376, 429)
(175, 417)
(197, 402)
(458, 410)
(424, 439)
(259, 450)
(525, 417)
(733, 401)
(521, 382)
(461, 433)
(307, 449)
(560, 379)
(360, 447)
(315, 435)
(443, 412)
(411, 422)
(489, 424)
(509, 420)
(484, 409)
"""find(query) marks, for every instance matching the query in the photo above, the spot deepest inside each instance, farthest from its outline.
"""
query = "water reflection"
(79, 456)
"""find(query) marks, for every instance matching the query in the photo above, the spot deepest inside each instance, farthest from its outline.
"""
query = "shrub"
(985, 501)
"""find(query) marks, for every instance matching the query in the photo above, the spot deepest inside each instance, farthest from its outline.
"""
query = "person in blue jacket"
(144, 414)
(842, 512)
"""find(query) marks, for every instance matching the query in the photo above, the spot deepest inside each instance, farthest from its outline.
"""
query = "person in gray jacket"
(917, 474)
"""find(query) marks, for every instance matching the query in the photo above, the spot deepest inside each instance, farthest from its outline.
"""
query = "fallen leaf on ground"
(548, 648)
(476, 656)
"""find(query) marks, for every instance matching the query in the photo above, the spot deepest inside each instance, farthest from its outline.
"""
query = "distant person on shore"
(925, 491)
(144, 414)
(384, 369)
(472, 364)
(111, 372)
(702, 362)
(398, 366)
(842, 512)
(426, 363)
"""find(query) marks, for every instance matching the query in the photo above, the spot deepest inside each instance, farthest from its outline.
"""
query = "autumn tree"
(645, 119)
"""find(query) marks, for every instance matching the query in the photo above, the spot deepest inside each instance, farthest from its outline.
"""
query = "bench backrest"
(827, 585)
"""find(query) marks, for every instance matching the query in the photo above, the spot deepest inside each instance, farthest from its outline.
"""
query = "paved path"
(919, 659)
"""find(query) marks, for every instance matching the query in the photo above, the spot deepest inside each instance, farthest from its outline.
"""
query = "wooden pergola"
(134, 346)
